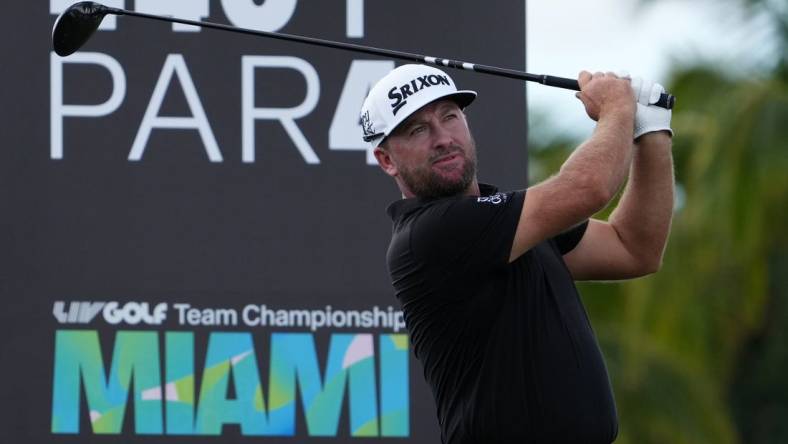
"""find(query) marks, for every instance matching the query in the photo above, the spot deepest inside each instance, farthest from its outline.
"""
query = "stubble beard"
(424, 182)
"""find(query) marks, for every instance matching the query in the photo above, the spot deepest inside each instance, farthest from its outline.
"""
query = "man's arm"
(592, 175)
(633, 240)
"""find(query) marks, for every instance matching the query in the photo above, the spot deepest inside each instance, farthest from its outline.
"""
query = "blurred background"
(697, 353)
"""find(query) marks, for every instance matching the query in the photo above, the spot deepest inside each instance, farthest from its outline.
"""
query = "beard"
(427, 183)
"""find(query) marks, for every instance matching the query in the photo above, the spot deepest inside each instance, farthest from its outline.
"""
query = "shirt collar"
(403, 206)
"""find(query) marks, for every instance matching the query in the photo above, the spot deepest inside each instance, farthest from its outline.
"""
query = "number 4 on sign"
(345, 132)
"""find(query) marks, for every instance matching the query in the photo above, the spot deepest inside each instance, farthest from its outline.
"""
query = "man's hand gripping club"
(648, 117)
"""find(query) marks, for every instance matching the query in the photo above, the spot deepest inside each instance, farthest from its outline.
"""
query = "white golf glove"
(649, 117)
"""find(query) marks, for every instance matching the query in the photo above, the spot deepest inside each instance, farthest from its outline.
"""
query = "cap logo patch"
(399, 95)
(366, 124)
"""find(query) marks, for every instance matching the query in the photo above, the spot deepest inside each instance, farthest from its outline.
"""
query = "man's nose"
(442, 137)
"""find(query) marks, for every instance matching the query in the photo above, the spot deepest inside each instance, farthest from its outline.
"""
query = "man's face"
(431, 153)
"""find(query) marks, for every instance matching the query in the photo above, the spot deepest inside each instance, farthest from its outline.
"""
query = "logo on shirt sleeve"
(494, 199)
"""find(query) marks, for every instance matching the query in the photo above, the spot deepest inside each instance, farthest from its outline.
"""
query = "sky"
(643, 38)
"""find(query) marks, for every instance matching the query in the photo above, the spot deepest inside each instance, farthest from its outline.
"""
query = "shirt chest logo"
(495, 199)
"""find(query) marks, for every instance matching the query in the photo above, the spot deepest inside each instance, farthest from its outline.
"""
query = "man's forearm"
(592, 174)
(643, 215)
(605, 157)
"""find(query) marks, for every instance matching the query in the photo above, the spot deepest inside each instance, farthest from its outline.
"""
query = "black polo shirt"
(506, 347)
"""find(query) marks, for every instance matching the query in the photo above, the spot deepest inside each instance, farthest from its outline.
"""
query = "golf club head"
(75, 26)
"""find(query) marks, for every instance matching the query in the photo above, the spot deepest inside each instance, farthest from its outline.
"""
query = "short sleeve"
(469, 232)
(569, 239)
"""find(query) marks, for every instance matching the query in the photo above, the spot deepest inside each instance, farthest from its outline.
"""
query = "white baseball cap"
(401, 93)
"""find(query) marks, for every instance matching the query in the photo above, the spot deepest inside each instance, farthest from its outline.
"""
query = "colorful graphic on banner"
(351, 368)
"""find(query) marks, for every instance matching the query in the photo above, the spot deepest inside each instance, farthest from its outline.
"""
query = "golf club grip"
(665, 100)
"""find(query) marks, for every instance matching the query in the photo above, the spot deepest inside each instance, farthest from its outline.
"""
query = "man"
(486, 278)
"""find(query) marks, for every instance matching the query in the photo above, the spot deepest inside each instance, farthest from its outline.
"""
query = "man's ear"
(385, 161)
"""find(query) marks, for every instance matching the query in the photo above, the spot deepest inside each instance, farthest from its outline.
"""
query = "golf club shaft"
(665, 100)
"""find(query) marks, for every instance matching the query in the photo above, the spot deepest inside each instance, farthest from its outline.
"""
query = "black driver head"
(75, 26)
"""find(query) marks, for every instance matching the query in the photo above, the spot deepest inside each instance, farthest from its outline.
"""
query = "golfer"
(486, 277)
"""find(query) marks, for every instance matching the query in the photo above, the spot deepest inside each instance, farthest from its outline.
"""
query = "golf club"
(76, 24)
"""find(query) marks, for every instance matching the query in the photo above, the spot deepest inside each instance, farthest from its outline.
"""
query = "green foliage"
(692, 350)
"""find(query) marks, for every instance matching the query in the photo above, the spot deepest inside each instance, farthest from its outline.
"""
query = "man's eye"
(450, 116)
(416, 130)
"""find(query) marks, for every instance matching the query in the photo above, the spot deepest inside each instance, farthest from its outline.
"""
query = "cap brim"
(461, 98)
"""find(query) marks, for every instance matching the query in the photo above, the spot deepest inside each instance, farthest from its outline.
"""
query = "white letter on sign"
(355, 18)
(286, 116)
(58, 110)
(271, 16)
(175, 65)
(345, 132)
(191, 10)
